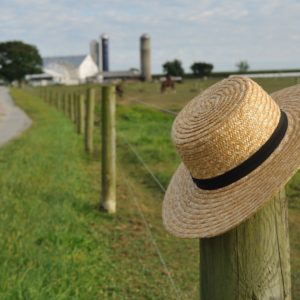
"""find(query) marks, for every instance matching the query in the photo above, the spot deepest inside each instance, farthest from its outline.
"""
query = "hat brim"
(191, 212)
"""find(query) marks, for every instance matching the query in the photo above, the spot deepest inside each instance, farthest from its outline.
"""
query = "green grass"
(52, 246)
(148, 131)
(143, 132)
(55, 244)
(175, 100)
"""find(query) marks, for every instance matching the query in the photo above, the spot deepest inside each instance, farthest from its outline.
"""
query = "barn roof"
(74, 60)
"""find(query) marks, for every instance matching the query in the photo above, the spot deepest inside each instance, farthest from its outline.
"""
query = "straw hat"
(239, 146)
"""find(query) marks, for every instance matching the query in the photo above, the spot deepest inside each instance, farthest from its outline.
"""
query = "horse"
(119, 90)
(168, 83)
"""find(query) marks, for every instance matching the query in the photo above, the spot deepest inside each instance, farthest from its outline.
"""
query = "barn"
(69, 70)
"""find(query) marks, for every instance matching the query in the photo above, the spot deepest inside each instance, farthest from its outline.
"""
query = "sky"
(266, 33)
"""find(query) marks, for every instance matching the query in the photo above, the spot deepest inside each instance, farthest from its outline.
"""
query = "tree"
(173, 68)
(18, 59)
(201, 69)
(243, 66)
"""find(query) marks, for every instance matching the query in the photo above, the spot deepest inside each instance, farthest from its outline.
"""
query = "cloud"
(221, 32)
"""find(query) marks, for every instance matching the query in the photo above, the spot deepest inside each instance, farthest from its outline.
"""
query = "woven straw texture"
(214, 133)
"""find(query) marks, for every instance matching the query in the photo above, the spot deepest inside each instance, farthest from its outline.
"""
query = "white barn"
(67, 70)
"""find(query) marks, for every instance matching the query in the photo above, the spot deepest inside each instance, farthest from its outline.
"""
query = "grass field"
(55, 244)
(150, 92)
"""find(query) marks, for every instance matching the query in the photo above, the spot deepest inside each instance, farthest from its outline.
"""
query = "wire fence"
(143, 163)
(168, 111)
(71, 110)
(174, 287)
(67, 102)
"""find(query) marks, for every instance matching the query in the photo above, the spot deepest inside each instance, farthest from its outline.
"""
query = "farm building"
(67, 70)
(71, 70)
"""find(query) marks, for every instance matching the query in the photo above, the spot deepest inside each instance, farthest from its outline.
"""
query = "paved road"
(13, 121)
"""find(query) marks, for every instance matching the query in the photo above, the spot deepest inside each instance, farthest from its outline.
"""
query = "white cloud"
(221, 32)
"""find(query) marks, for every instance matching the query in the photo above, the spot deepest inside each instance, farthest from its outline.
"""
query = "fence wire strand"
(168, 111)
(162, 188)
(152, 238)
(142, 161)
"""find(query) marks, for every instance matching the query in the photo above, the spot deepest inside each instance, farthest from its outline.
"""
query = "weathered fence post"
(47, 95)
(65, 101)
(72, 107)
(54, 99)
(108, 201)
(44, 94)
(250, 261)
(80, 114)
(76, 97)
(89, 124)
(58, 100)
(50, 97)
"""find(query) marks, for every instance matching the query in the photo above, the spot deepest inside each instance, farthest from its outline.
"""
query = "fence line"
(168, 111)
(137, 204)
(217, 252)
(152, 238)
(174, 287)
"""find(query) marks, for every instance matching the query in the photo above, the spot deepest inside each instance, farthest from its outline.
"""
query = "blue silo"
(105, 52)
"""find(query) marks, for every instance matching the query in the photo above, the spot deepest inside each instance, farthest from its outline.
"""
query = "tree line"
(175, 68)
(18, 59)
(199, 69)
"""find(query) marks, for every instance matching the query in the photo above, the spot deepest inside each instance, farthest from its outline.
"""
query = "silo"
(146, 57)
(94, 49)
(100, 58)
(105, 52)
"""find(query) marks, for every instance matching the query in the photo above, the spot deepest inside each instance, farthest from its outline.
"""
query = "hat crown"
(224, 126)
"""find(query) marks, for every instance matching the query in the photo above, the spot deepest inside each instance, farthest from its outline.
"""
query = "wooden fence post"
(60, 105)
(63, 103)
(66, 102)
(53, 101)
(80, 114)
(57, 100)
(108, 202)
(53, 98)
(44, 94)
(50, 97)
(47, 95)
(76, 108)
(90, 116)
(251, 261)
(72, 107)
